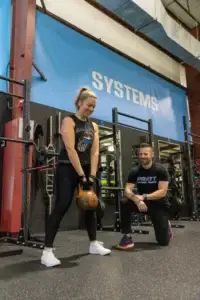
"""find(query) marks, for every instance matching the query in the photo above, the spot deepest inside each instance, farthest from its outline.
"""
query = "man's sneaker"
(48, 258)
(125, 243)
(98, 248)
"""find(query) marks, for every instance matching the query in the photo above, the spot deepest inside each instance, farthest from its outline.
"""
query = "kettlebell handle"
(81, 188)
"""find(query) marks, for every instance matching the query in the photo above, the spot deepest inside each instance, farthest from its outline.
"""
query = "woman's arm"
(95, 151)
(68, 136)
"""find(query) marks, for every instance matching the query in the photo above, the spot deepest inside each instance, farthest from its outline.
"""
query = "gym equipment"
(109, 169)
(23, 237)
(48, 153)
(170, 156)
(135, 160)
(26, 128)
(50, 174)
(100, 209)
(175, 190)
(86, 199)
(37, 181)
(118, 188)
(42, 153)
(57, 133)
(191, 188)
(26, 143)
(44, 174)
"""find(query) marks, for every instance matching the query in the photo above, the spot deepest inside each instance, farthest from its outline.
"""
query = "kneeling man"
(151, 180)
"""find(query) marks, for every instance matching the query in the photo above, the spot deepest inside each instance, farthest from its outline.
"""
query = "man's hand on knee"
(141, 205)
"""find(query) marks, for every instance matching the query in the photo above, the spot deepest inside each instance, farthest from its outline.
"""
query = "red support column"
(196, 32)
(23, 34)
(193, 86)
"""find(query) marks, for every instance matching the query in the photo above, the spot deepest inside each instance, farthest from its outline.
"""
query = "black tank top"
(84, 136)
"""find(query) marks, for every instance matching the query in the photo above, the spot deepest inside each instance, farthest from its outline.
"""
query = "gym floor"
(147, 272)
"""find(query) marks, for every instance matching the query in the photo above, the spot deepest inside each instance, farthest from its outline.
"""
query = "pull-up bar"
(116, 113)
(133, 127)
(131, 117)
(116, 123)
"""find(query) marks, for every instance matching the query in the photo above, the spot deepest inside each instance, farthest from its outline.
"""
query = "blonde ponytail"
(83, 94)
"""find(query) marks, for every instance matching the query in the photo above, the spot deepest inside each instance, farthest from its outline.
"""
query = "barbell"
(42, 153)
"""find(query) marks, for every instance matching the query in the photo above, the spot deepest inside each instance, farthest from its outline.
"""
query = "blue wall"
(5, 38)
(70, 60)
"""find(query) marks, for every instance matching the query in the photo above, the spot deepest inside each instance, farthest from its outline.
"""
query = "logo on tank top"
(85, 141)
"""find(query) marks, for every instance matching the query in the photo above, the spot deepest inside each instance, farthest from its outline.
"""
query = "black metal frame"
(191, 185)
(149, 131)
(43, 77)
(116, 124)
(23, 237)
(118, 189)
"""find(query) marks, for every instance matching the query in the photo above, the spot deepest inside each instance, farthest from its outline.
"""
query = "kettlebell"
(86, 199)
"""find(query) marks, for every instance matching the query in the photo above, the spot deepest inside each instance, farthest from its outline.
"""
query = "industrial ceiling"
(152, 19)
(187, 11)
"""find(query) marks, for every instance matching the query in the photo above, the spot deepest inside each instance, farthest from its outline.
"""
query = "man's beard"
(145, 162)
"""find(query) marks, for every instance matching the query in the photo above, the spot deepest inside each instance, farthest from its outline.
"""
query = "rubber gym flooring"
(147, 272)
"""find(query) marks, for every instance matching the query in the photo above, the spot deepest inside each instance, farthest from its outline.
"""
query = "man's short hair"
(145, 145)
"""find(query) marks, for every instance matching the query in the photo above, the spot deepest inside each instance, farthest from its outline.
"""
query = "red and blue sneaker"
(125, 243)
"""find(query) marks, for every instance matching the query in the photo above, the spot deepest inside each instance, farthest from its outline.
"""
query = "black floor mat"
(145, 272)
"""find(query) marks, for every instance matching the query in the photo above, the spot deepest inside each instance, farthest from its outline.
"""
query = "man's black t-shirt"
(146, 180)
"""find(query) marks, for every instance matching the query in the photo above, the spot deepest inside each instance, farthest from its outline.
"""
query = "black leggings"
(159, 217)
(66, 181)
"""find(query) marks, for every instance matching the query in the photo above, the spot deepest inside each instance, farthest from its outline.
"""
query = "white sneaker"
(101, 243)
(48, 258)
(98, 248)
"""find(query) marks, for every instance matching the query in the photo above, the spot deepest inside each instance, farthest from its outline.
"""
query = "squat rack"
(118, 188)
(23, 238)
(25, 141)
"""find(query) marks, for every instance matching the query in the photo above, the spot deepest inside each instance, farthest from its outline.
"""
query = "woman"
(77, 163)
